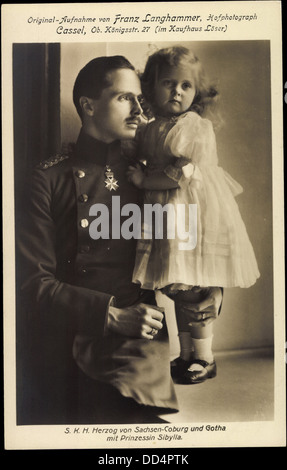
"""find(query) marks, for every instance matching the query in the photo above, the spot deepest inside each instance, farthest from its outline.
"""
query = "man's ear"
(87, 105)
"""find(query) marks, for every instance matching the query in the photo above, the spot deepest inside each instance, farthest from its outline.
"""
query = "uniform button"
(84, 249)
(80, 173)
(84, 223)
(82, 270)
(83, 198)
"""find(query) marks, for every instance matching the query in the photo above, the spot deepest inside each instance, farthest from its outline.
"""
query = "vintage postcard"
(239, 44)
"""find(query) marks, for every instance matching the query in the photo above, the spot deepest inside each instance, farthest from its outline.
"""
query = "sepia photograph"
(146, 307)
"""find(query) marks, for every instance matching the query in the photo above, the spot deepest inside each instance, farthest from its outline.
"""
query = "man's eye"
(124, 98)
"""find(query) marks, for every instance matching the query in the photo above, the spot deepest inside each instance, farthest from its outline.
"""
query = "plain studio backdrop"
(242, 71)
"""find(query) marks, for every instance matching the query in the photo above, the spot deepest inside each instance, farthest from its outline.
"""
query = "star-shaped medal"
(111, 182)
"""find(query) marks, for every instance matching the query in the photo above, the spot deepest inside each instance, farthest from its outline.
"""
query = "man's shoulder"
(53, 161)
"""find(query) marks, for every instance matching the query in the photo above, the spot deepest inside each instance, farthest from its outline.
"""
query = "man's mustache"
(133, 121)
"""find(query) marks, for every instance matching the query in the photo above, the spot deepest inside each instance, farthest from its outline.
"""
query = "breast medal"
(111, 182)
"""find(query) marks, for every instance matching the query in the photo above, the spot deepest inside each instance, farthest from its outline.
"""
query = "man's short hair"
(92, 78)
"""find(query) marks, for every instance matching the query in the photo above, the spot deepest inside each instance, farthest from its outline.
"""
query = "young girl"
(179, 149)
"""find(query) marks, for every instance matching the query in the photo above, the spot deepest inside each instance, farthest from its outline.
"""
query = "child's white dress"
(223, 255)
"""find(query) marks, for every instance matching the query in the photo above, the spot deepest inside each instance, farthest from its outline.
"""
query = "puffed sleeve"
(192, 138)
(192, 142)
(47, 297)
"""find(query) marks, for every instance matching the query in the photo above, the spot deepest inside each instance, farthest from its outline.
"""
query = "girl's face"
(174, 89)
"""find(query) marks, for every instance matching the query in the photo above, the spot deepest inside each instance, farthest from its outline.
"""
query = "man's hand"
(206, 310)
(136, 176)
(137, 321)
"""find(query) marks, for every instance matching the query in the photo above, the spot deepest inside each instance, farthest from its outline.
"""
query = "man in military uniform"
(93, 346)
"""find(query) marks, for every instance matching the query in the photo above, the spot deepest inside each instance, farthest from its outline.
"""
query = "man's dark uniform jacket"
(67, 281)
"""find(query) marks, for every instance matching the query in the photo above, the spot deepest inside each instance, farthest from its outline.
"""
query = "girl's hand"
(136, 176)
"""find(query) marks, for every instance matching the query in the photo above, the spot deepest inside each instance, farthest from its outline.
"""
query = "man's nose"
(137, 109)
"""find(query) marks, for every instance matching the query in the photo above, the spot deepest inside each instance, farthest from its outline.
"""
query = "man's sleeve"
(53, 301)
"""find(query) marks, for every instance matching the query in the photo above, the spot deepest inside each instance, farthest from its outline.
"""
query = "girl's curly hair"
(173, 56)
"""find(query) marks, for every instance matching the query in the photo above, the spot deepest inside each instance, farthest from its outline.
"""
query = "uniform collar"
(94, 151)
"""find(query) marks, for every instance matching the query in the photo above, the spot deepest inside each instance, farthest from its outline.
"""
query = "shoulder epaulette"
(45, 164)
(66, 151)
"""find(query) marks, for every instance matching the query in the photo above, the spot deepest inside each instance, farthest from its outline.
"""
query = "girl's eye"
(167, 83)
(186, 85)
